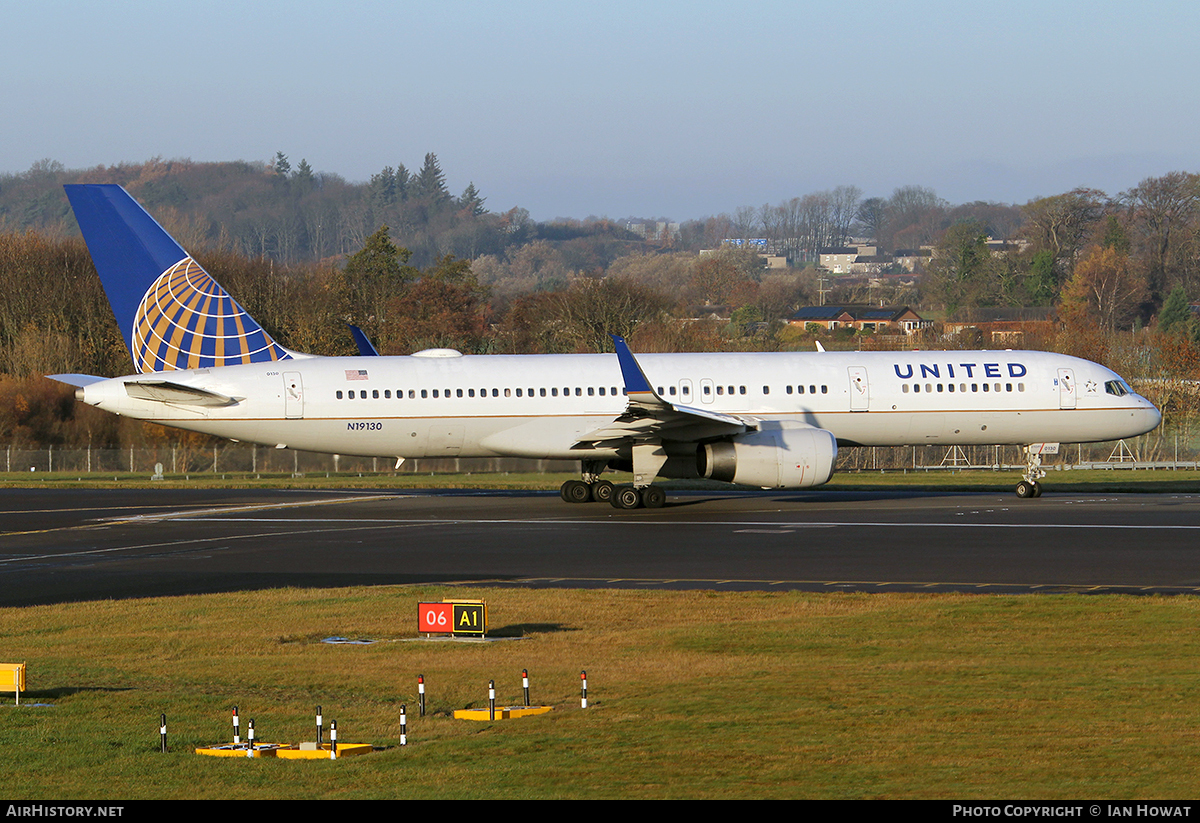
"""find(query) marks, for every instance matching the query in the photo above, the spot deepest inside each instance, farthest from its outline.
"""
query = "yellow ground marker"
(287, 752)
(502, 712)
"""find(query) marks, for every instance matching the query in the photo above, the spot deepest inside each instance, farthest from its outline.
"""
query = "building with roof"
(862, 318)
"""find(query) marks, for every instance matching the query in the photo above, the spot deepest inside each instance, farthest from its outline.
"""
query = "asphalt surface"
(66, 545)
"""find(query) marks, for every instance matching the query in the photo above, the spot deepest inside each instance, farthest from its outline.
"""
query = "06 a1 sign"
(453, 617)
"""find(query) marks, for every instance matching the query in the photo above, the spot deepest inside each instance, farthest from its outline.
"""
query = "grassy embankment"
(693, 694)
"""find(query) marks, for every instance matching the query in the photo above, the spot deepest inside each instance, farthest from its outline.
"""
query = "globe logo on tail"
(187, 321)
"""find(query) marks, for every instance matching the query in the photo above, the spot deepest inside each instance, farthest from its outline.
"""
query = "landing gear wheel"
(602, 491)
(575, 491)
(1028, 489)
(626, 497)
(653, 497)
(1037, 489)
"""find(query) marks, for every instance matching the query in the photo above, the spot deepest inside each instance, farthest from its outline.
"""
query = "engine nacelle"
(776, 458)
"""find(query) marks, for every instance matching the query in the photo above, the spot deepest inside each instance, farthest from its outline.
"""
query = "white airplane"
(773, 420)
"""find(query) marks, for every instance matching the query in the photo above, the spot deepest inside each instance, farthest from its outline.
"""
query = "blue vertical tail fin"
(172, 314)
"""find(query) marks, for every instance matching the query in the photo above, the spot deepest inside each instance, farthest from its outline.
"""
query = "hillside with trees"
(415, 266)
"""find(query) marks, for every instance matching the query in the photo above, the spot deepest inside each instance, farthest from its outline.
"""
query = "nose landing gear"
(1029, 485)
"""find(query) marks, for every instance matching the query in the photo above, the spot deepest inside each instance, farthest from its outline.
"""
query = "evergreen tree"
(282, 167)
(1176, 315)
(304, 174)
(383, 187)
(404, 180)
(430, 183)
(471, 202)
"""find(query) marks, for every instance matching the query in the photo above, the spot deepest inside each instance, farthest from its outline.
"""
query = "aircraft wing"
(649, 417)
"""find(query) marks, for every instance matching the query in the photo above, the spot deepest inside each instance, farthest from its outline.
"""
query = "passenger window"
(339, 395)
(375, 394)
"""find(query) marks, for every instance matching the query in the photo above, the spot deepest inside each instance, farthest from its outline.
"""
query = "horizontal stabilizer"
(164, 391)
(77, 380)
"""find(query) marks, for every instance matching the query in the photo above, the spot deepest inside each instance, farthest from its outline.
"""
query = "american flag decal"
(356, 374)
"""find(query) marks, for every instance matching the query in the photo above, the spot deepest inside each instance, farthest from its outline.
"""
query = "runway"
(67, 545)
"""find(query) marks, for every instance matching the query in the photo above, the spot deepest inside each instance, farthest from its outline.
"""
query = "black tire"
(575, 491)
(602, 491)
(653, 497)
(1026, 489)
(626, 497)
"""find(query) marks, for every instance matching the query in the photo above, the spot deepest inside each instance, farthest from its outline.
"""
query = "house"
(1007, 327)
(862, 318)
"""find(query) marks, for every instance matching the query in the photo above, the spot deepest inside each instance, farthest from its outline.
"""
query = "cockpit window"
(1117, 388)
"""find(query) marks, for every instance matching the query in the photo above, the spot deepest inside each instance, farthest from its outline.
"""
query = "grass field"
(693, 694)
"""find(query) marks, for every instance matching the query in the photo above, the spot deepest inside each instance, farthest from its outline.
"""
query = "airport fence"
(250, 460)
(1165, 448)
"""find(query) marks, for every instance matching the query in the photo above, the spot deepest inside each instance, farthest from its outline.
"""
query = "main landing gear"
(621, 497)
(591, 487)
(1029, 485)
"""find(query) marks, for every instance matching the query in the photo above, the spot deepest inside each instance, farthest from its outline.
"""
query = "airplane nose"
(1156, 416)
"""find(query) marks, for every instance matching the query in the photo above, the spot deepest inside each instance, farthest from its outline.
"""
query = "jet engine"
(771, 458)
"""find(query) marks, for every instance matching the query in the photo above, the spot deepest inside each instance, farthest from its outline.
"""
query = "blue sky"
(665, 109)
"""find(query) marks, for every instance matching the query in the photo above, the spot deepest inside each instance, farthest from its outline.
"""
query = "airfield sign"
(453, 617)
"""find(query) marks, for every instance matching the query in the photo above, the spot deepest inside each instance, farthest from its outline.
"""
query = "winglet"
(635, 379)
(362, 341)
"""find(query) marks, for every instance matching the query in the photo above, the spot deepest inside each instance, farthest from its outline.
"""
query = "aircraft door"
(707, 394)
(860, 389)
(1066, 388)
(685, 392)
(293, 395)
